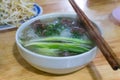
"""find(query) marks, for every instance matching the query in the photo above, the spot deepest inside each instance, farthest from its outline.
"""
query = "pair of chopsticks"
(96, 37)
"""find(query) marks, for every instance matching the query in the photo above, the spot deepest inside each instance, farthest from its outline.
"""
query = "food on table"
(58, 36)
(14, 12)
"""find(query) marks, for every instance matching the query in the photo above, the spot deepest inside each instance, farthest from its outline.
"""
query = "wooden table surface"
(14, 67)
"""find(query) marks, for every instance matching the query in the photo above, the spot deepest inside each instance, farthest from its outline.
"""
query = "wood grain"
(14, 67)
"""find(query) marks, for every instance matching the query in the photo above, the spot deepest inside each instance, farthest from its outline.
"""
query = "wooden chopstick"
(96, 37)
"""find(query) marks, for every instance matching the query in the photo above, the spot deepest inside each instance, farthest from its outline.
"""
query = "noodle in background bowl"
(36, 8)
(55, 65)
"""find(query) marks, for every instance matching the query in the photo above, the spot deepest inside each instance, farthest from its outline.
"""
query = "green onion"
(52, 46)
(62, 39)
(46, 51)
(61, 46)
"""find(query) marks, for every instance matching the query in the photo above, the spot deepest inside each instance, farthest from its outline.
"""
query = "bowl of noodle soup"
(61, 52)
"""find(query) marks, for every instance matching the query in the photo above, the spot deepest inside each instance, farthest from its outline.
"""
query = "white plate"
(36, 8)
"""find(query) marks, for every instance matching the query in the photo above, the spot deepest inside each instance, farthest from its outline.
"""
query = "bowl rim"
(44, 56)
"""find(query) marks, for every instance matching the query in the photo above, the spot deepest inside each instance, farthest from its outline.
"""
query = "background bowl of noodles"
(49, 62)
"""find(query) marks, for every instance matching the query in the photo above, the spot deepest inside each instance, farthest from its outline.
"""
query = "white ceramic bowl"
(56, 65)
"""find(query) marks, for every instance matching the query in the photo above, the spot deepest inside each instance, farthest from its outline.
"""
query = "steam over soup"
(59, 36)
